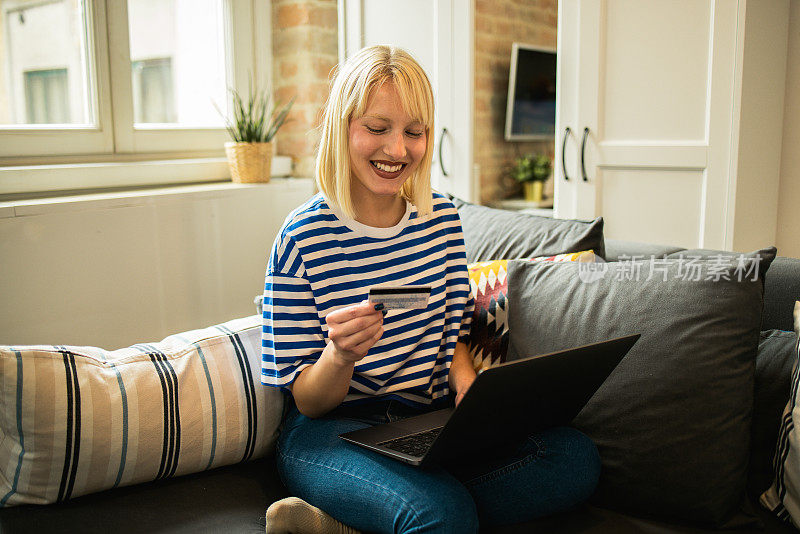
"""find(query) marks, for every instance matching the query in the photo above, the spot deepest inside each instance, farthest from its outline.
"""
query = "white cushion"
(75, 420)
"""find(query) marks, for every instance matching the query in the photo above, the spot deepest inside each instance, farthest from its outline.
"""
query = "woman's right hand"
(354, 330)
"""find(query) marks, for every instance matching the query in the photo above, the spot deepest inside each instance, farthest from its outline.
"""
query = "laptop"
(505, 404)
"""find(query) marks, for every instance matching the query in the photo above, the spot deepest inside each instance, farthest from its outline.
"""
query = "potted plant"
(532, 171)
(252, 127)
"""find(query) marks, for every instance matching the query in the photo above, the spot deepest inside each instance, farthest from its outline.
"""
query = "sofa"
(234, 498)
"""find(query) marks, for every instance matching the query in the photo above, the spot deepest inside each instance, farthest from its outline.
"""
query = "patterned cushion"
(783, 497)
(489, 283)
(488, 338)
(75, 420)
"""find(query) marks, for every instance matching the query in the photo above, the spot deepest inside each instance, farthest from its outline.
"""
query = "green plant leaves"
(254, 120)
(531, 168)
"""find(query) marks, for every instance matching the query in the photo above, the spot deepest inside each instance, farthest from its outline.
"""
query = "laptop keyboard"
(413, 444)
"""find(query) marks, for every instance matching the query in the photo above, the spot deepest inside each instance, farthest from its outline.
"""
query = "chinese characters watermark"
(689, 268)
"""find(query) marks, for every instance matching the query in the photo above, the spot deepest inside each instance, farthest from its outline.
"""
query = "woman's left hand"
(463, 390)
(462, 374)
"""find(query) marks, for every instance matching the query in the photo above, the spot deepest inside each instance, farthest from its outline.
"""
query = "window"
(153, 97)
(178, 60)
(113, 81)
(41, 51)
(46, 97)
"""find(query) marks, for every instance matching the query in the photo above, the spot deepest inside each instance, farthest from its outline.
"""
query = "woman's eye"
(375, 130)
(415, 135)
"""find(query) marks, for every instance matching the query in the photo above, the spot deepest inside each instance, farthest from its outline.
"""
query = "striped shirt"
(323, 260)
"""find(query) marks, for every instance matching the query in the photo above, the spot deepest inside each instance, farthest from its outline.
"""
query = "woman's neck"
(383, 213)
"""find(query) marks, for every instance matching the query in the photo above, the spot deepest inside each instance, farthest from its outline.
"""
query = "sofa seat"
(227, 499)
(235, 499)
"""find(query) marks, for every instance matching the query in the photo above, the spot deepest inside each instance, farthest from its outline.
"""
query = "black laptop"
(505, 403)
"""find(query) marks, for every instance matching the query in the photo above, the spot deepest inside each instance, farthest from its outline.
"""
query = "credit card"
(400, 297)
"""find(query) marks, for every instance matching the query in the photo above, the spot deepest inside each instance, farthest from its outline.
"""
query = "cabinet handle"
(567, 130)
(441, 142)
(583, 154)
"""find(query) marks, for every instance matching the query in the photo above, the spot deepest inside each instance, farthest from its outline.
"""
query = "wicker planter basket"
(249, 162)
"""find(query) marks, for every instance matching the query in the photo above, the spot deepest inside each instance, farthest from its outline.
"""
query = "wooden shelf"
(541, 209)
(522, 204)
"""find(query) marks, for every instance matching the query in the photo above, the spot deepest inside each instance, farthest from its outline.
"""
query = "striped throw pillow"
(783, 497)
(76, 420)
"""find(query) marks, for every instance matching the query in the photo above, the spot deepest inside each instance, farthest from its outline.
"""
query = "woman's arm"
(462, 373)
(322, 386)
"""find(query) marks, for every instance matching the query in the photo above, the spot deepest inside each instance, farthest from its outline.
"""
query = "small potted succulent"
(252, 127)
(532, 171)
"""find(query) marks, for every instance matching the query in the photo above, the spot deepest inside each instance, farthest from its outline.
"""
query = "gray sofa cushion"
(781, 290)
(782, 283)
(494, 234)
(616, 250)
(673, 421)
(776, 357)
(712, 255)
(781, 287)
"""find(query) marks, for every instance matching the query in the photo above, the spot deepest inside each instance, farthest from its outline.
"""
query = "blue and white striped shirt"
(323, 260)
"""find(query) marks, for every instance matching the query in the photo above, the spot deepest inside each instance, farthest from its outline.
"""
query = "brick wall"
(498, 24)
(305, 49)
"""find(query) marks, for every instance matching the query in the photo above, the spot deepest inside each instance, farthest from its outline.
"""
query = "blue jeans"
(549, 472)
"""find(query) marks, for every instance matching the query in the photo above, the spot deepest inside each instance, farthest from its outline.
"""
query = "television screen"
(531, 109)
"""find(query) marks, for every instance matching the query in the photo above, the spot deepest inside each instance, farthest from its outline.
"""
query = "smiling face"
(386, 147)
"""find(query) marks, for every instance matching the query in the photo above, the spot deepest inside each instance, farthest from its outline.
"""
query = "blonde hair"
(354, 82)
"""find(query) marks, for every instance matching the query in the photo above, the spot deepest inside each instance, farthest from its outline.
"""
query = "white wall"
(111, 272)
(761, 125)
(788, 234)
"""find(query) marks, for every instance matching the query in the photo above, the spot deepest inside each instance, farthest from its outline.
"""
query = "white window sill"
(41, 206)
(62, 177)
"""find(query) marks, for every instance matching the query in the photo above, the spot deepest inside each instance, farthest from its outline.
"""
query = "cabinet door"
(647, 91)
(439, 34)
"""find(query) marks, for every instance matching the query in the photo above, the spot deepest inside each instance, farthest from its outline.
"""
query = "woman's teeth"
(387, 168)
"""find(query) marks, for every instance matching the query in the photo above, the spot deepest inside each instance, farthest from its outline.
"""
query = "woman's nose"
(395, 146)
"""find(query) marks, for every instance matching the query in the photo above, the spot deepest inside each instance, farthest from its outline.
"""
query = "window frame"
(114, 147)
(37, 140)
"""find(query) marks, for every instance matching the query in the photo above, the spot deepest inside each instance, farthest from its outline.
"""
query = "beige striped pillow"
(75, 420)
(783, 496)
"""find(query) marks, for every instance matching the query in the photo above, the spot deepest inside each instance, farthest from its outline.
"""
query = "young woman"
(346, 364)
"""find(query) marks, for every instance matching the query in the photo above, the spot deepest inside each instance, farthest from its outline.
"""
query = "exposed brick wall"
(498, 24)
(305, 49)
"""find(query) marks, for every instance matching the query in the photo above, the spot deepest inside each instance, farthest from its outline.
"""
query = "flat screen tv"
(531, 108)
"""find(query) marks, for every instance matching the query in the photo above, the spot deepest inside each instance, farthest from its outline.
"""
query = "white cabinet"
(439, 34)
(669, 120)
